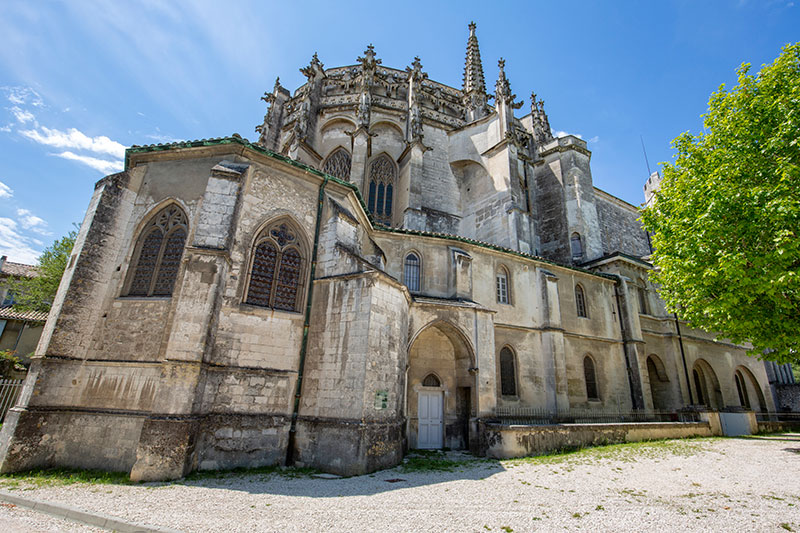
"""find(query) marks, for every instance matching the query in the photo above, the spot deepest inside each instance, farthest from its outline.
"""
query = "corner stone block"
(165, 450)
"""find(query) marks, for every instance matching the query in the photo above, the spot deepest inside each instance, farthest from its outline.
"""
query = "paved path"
(750, 484)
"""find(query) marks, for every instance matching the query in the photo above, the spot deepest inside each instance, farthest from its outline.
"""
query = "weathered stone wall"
(620, 226)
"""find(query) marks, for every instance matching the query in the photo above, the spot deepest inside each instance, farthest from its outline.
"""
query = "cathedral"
(392, 263)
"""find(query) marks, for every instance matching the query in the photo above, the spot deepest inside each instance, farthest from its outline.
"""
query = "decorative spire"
(314, 69)
(474, 83)
(502, 89)
(541, 124)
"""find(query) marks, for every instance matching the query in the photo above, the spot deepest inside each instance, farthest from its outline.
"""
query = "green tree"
(37, 294)
(725, 223)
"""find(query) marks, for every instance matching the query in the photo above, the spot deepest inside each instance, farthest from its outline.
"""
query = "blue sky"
(82, 80)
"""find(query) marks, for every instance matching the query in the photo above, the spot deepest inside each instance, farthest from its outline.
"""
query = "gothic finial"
(502, 64)
(475, 96)
(277, 83)
(416, 65)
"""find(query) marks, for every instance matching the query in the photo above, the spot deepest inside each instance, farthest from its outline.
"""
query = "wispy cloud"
(103, 165)
(33, 223)
(562, 133)
(23, 96)
(595, 139)
(22, 115)
(14, 244)
(5, 191)
(72, 138)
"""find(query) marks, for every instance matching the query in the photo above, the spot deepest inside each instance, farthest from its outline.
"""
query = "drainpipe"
(683, 357)
(624, 350)
(306, 323)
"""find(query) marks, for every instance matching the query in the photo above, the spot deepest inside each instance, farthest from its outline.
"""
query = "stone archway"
(660, 389)
(441, 350)
(751, 389)
(707, 389)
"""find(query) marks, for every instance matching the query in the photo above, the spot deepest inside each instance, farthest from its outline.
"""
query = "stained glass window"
(338, 164)
(591, 379)
(276, 275)
(508, 380)
(159, 253)
(381, 189)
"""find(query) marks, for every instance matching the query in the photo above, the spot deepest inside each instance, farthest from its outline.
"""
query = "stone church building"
(391, 262)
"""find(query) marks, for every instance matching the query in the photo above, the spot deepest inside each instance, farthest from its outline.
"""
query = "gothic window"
(590, 377)
(411, 272)
(576, 246)
(580, 302)
(501, 284)
(381, 189)
(158, 253)
(276, 277)
(642, 290)
(741, 388)
(431, 381)
(338, 164)
(508, 374)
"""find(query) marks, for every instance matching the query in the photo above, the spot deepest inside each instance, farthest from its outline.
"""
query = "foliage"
(9, 362)
(725, 223)
(37, 293)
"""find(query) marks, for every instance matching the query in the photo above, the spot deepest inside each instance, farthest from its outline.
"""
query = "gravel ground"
(15, 519)
(750, 484)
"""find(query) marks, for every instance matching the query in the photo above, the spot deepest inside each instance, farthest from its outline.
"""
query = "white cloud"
(31, 222)
(6, 128)
(22, 115)
(15, 245)
(5, 191)
(562, 133)
(75, 139)
(103, 165)
(163, 139)
(595, 139)
(23, 96)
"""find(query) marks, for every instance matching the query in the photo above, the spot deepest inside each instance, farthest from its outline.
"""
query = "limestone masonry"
(391, 263)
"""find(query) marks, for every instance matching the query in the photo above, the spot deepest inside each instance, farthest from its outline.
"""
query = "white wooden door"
(430, 420)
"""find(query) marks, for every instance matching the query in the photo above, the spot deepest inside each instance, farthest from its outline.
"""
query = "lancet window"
(590, 376)
(276, 277)
(580, 302)
(380, 198)
(411, 272)
(508, 374)
(501, 286)
(158, 253)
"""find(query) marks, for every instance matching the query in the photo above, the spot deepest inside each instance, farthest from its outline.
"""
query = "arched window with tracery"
(276, 275)
(508, 373)
(431, 381)
(158, 253)
(580, 302)
(590, 376)
(381, 189)
(338, 164)
(411, 272)
(501, 285)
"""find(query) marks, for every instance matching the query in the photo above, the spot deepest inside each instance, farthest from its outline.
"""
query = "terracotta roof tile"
(9, 313)
(19, 270)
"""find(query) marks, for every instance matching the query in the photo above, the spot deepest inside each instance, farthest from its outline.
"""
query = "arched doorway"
(439, 398)
(706, 385)
(748, 390)
(660, 390)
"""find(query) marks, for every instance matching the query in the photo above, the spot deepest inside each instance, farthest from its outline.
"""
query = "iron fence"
(781, 416)
(9, 392)
(533, 416)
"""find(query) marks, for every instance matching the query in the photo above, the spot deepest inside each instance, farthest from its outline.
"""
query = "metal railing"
(535, 416)
(9, 392)
(780, 416)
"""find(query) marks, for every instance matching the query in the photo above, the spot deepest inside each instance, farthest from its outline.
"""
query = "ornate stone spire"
(502, 89)
(474, 84)
(414, 122)
(541, 124)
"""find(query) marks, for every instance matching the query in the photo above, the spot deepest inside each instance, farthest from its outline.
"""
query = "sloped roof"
(19, 270)
(9, 313)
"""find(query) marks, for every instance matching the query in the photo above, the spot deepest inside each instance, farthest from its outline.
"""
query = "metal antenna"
(645, 156)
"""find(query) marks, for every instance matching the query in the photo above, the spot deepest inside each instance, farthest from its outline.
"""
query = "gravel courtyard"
(748, 484)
